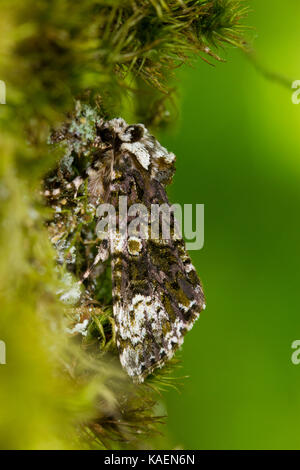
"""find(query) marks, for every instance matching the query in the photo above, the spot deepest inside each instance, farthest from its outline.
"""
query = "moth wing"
(157, 299)
(156, 290)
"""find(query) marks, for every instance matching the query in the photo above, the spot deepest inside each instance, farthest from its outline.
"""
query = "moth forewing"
(157, 295)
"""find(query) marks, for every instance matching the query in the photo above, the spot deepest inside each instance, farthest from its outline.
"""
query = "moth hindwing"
(157, 295)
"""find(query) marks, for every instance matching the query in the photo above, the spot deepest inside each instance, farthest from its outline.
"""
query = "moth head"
(136, 141)
(117, 130)
(133, 133)
(106, 134)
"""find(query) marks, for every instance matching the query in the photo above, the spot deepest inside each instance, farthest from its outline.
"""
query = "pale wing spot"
(187, 308)
(131, 361)
(134, 246)
(141, 153)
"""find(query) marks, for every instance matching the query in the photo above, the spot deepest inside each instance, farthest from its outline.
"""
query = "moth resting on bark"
(157, 295)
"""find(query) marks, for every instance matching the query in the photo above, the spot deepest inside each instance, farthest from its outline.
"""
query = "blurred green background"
(238, 152)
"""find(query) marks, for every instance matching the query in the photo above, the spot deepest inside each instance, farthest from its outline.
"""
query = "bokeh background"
(238, 152)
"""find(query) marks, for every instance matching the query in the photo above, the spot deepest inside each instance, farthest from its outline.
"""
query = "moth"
(157, 294)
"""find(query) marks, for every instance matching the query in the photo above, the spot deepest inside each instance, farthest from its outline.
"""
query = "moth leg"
(102, 255)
